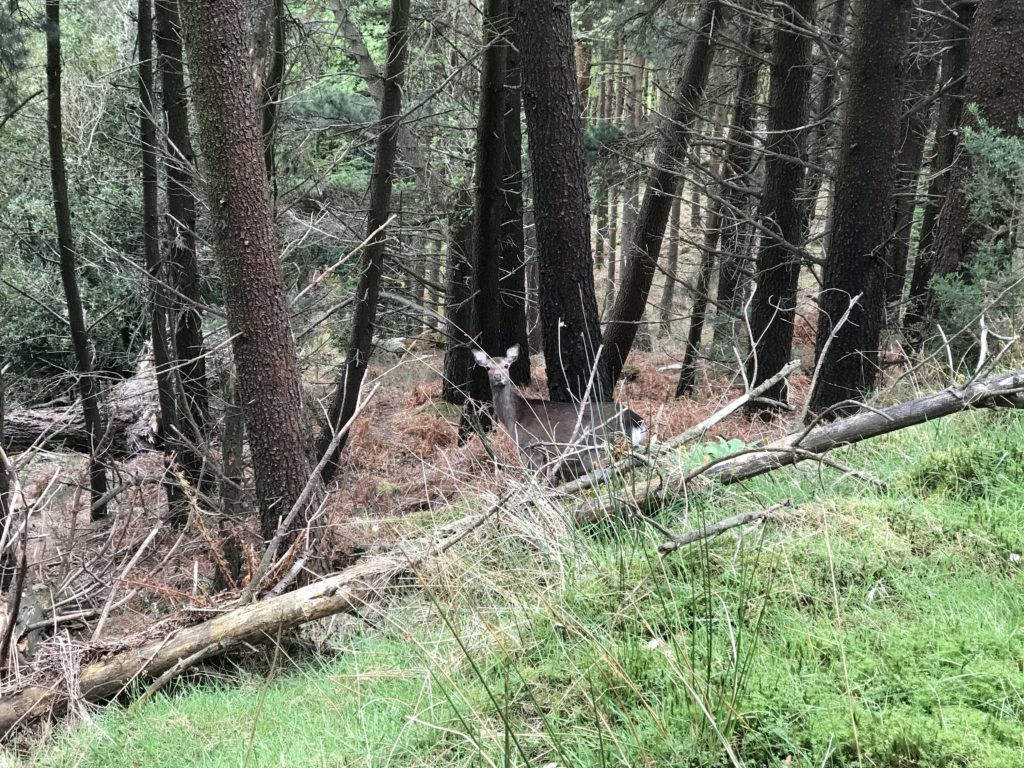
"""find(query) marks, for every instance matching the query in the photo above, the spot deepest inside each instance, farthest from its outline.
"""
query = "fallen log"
(105, 678)
(1004, 391)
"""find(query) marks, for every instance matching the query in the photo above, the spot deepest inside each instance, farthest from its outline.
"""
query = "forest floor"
(866, 625)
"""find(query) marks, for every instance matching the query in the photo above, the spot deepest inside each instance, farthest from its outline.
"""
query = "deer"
(564, 439)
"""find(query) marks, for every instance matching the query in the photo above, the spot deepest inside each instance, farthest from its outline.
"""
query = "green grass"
(875, 628)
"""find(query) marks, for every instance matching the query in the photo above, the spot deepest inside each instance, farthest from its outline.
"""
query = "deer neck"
(508, 405)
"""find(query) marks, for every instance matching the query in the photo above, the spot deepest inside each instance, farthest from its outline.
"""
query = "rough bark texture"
(822, 134)
(246, 251)
(738, 167)
(488, 200)
(922, 70)
(271, 92)
(995, 83)
(667, 313)
(186, 321)
(712, 232)
(458, 357)
(87, 384)
(861, 218)
(773, 307)
(569, 317)
(644, 246)
(512, 283)
(357, 357)
(951, 105)
(158, 295)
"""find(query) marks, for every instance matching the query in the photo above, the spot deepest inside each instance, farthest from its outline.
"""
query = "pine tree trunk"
(458, 310)
(920, 83)
(995, 83)
(488, 202)
(87, 384)
(847, 356)
(946, 140)
(644, 246)
(158, 294)
(671, 268)
(773, 307)
(738, 167)
(186, 321)
(821, 139)
(561, 207)
(360, 345)
(512, 283)
(5, 487)
(712, 232)
(246, 251)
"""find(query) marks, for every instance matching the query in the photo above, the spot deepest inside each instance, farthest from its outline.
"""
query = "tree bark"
(568, 301)
(158, 299)
(671, 269)
(246, 250)
(488, 200)
(738, 163)
(995, 83)
(712, 232)
(458, 356)
(773, 307)
(270, 95)
(68, 262)
(186, 321)
(512, 283)
(953, 77)
(357, 358)
(645, 243)
(921, 74)
(847, 356)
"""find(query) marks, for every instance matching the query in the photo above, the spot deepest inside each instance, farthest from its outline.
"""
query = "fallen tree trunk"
(349, 591)
(1004, 391)
(128, 418)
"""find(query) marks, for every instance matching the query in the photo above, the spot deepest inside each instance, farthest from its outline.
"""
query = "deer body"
(566, 438)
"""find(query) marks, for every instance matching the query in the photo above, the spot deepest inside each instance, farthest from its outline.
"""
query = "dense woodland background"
(225, 223)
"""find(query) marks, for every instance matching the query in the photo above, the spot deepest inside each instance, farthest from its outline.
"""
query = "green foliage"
(988, 281)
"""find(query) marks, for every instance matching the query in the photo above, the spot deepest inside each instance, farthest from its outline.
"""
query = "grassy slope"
(880, 628)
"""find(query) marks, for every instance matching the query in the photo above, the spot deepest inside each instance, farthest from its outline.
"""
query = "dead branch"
(711, 530)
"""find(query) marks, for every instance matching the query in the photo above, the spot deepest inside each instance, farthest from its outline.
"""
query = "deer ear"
(481, 358)
(512, 354)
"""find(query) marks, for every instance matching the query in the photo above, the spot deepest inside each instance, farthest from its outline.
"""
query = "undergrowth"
(863, 627)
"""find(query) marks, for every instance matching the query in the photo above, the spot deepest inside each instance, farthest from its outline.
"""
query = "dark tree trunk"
(712, 232)
(244, 243)
(5, 488)
(821, 140)
(953, 77)
(186, 321)
(488, 201)
(645, 243)
(231, 449)
(271, 92)
(861, 220)
(158, 298)
(357, 357)
(561, 207)
(922, 70)
(613, 245)
(68, 257)
(458, 356)
(773, 307)
(995, 83)
(738, 169)
(671, 268)
(512, 284)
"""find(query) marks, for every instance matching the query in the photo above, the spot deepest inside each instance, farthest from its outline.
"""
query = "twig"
(717, 529)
